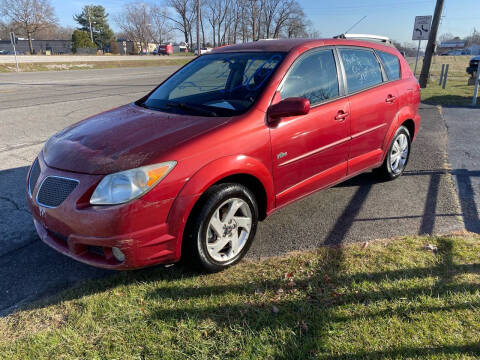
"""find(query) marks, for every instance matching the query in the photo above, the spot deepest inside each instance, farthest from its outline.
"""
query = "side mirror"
(289, 107)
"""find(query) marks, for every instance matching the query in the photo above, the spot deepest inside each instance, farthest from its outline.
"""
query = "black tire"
(195, 240)
(385, 172)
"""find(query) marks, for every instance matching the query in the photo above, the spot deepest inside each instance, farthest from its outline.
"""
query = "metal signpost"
(12, 40)
(421, 31)
(475, 92)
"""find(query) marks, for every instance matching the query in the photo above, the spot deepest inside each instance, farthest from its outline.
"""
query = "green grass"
(389, 300)
(29, 67)
(458, 90)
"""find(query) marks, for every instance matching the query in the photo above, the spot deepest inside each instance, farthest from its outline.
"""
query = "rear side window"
(362, 69)
(391, 64)
(314, 77)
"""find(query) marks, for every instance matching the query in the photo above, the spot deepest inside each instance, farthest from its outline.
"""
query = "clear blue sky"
(392, 18)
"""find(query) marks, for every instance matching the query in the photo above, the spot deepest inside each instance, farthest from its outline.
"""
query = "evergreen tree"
(96, 16)
(80, 40)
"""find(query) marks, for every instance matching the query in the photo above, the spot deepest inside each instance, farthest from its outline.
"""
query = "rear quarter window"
(391, 64)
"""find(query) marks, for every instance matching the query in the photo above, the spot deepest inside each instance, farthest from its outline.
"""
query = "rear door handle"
(390, 99)
(341, 115)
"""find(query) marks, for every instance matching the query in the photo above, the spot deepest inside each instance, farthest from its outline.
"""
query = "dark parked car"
(473, 66)
(236, 134)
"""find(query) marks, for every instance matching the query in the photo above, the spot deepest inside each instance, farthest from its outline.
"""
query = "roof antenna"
(358, 22)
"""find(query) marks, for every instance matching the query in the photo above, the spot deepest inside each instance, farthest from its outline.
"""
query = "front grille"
(60, 237)
(33, 178)
(54, 190)
(97, 250)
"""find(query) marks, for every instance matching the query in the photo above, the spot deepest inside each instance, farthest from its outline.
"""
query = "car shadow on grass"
(329, 292)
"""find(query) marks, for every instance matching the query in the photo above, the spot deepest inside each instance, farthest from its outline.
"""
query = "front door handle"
(390, 99)
(341, 115)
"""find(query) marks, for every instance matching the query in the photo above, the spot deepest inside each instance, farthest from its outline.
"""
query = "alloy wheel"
(228, 229)
(399, 153)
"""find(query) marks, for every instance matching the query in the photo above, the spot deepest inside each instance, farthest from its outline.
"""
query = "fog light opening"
(118, 254)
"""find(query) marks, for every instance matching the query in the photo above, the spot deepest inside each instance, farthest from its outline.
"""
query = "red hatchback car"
(190, 169)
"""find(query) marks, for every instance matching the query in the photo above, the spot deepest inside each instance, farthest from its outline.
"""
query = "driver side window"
(313, 77)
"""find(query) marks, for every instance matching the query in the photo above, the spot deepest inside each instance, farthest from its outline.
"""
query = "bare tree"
(162, 29)
(295, 24)
(231, 21)
(184, 15)
(29, 16)
(5, 29)
(135, 22)
(473, 38)
(212, 18)
(271, 8)
(446, 37)
(285, 11)
(55, 33)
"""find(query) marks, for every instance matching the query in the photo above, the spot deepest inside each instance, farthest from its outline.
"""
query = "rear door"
(373, 106)
(311, 151)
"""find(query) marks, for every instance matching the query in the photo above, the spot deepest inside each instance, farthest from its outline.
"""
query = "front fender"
(206, 177)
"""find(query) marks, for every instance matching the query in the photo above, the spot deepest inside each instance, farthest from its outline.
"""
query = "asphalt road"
(35, 105)
(10, 59)
(464, 156)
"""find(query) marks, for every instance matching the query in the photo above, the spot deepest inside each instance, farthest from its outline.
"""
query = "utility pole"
(427, 60)
(90, 22)
(198, 28)
(254, 20)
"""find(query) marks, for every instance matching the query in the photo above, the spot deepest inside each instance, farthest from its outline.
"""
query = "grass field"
(28, 67)
(384, 300)
(458, 91)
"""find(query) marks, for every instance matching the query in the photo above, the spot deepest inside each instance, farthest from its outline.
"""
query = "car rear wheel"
(223, 227)
(397, 156)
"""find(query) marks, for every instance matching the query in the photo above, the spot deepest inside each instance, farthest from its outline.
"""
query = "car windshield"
(223, 84)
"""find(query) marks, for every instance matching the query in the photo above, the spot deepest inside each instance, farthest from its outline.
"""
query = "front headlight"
(127, 185)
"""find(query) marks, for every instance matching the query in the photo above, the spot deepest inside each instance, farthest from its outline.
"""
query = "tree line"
(472, 39)
(222, 22)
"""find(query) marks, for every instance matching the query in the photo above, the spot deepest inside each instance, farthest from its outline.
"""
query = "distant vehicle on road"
(188, 170)
(166, 49)
(203, 50)
(473, 66)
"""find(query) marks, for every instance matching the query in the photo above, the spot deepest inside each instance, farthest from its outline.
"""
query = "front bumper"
(87, 233)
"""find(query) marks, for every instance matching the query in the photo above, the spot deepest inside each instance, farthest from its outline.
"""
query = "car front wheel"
(223, 227)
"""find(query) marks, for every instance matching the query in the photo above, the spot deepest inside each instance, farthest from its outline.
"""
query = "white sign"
(421, 29)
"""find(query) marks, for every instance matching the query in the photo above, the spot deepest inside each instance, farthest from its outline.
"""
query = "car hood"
(123, 138)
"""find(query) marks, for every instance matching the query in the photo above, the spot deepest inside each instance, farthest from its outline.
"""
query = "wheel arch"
(244, 170)
(410, 125)
(405, 116)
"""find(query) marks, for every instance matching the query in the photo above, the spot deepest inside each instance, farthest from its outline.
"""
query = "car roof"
(287, 45)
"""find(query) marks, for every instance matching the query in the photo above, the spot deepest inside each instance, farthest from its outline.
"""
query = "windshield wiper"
(190, 107)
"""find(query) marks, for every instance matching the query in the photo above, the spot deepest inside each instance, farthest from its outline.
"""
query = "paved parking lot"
(464, 156)
(33, 106)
